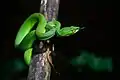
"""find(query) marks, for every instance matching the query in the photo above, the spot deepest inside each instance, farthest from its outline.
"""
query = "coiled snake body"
(44, 31)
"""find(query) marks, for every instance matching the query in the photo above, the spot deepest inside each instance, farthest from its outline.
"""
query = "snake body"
(44, 31)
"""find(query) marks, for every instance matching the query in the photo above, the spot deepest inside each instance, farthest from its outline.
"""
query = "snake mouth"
(76, 30)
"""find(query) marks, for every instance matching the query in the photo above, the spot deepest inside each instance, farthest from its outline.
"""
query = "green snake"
(44, 31)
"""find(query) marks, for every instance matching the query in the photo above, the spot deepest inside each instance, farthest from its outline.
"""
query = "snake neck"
(57, 27)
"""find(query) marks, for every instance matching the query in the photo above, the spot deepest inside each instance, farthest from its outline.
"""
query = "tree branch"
(40, 68)
(50, 8)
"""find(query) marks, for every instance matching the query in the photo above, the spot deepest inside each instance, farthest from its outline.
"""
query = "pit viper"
(44, 30)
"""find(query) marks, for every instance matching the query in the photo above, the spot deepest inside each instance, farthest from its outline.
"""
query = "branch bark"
(40, 68)
(50, 8)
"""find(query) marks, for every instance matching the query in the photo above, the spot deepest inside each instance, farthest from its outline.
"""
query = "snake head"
(67, 31)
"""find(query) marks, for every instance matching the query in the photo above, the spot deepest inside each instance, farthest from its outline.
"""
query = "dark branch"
(50, 8)
(40, 68)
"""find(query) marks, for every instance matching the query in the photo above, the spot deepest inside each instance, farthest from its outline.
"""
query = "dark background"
(95, 15)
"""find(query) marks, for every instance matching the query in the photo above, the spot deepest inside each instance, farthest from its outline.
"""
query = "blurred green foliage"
(11, 68)
(93, 62)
